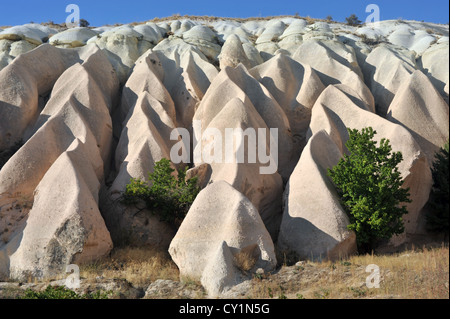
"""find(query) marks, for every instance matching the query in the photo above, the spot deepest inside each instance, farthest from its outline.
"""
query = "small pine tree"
(84, 23)
(353, 20)
(370, 187)
(437, 219)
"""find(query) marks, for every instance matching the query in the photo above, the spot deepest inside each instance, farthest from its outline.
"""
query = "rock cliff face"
(89, 109)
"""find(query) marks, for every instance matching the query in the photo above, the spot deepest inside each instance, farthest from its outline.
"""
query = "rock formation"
(339, 108)
(434, 63)
(385, 69)
(222, 236)
(419, 107)
(335, 63)
(315, 227)
(294, 86)
(84, 110)
(70, 150)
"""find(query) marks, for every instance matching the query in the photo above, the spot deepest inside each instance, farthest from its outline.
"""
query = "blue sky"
(15, 12)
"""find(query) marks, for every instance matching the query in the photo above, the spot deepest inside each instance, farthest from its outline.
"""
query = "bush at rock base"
(60, 292)
(370, 187)
(164, 194)
(437, 220)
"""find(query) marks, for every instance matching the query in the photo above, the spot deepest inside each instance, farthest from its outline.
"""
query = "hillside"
(85, 110)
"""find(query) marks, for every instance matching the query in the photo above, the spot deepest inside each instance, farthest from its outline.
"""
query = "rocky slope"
(88, 109)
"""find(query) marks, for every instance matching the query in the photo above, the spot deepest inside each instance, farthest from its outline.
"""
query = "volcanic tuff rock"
(294, 86)
(315, 227)
(238, 83)
(222, 228)
(26, 82)
(385, 69)
(335, 63)
(70, 148)
(233, 53)
(434, 62)
(84, 110)
(339, 108)
(263, 190)
(419, 107)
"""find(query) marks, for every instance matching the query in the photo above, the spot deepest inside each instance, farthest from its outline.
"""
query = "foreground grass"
(139, 266)
(413, 274)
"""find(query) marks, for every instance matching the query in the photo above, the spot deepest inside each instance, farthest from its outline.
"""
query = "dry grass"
(139, 266)
(210, 19)
(416, 274)
(247, 257)
(411, 274)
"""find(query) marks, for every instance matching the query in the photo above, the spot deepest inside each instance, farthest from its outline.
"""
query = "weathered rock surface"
(147, 115)
(63, 227)
(220, 224)
(294, 86)
(204, 39)
(70, 149)
(72, 38)
(233, 53)
(334, 63)
(188, 75)
(239, 169)
(123, 46)
(315, 227)
(24, 81)
(385, 70)
(24, 32)
(84, 110)
(238, 83)
(339, 108)
(434, 63)
(419, 107)
(415, 40)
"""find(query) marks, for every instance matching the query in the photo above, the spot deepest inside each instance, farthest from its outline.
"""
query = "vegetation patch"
(370, 187)
(60, 292)
(437, 219)
(165, 195)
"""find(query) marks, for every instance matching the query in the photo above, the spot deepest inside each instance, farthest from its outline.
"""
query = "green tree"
(60, 292)
(437, 219)
(84, 23)
(370, 188)
(353, 20)
(164, 195)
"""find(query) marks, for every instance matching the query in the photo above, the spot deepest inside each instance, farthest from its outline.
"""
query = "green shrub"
(84, 23)
(60, 292)
(353, 20)
(370, 187)
(164, 195)
(437, 219)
